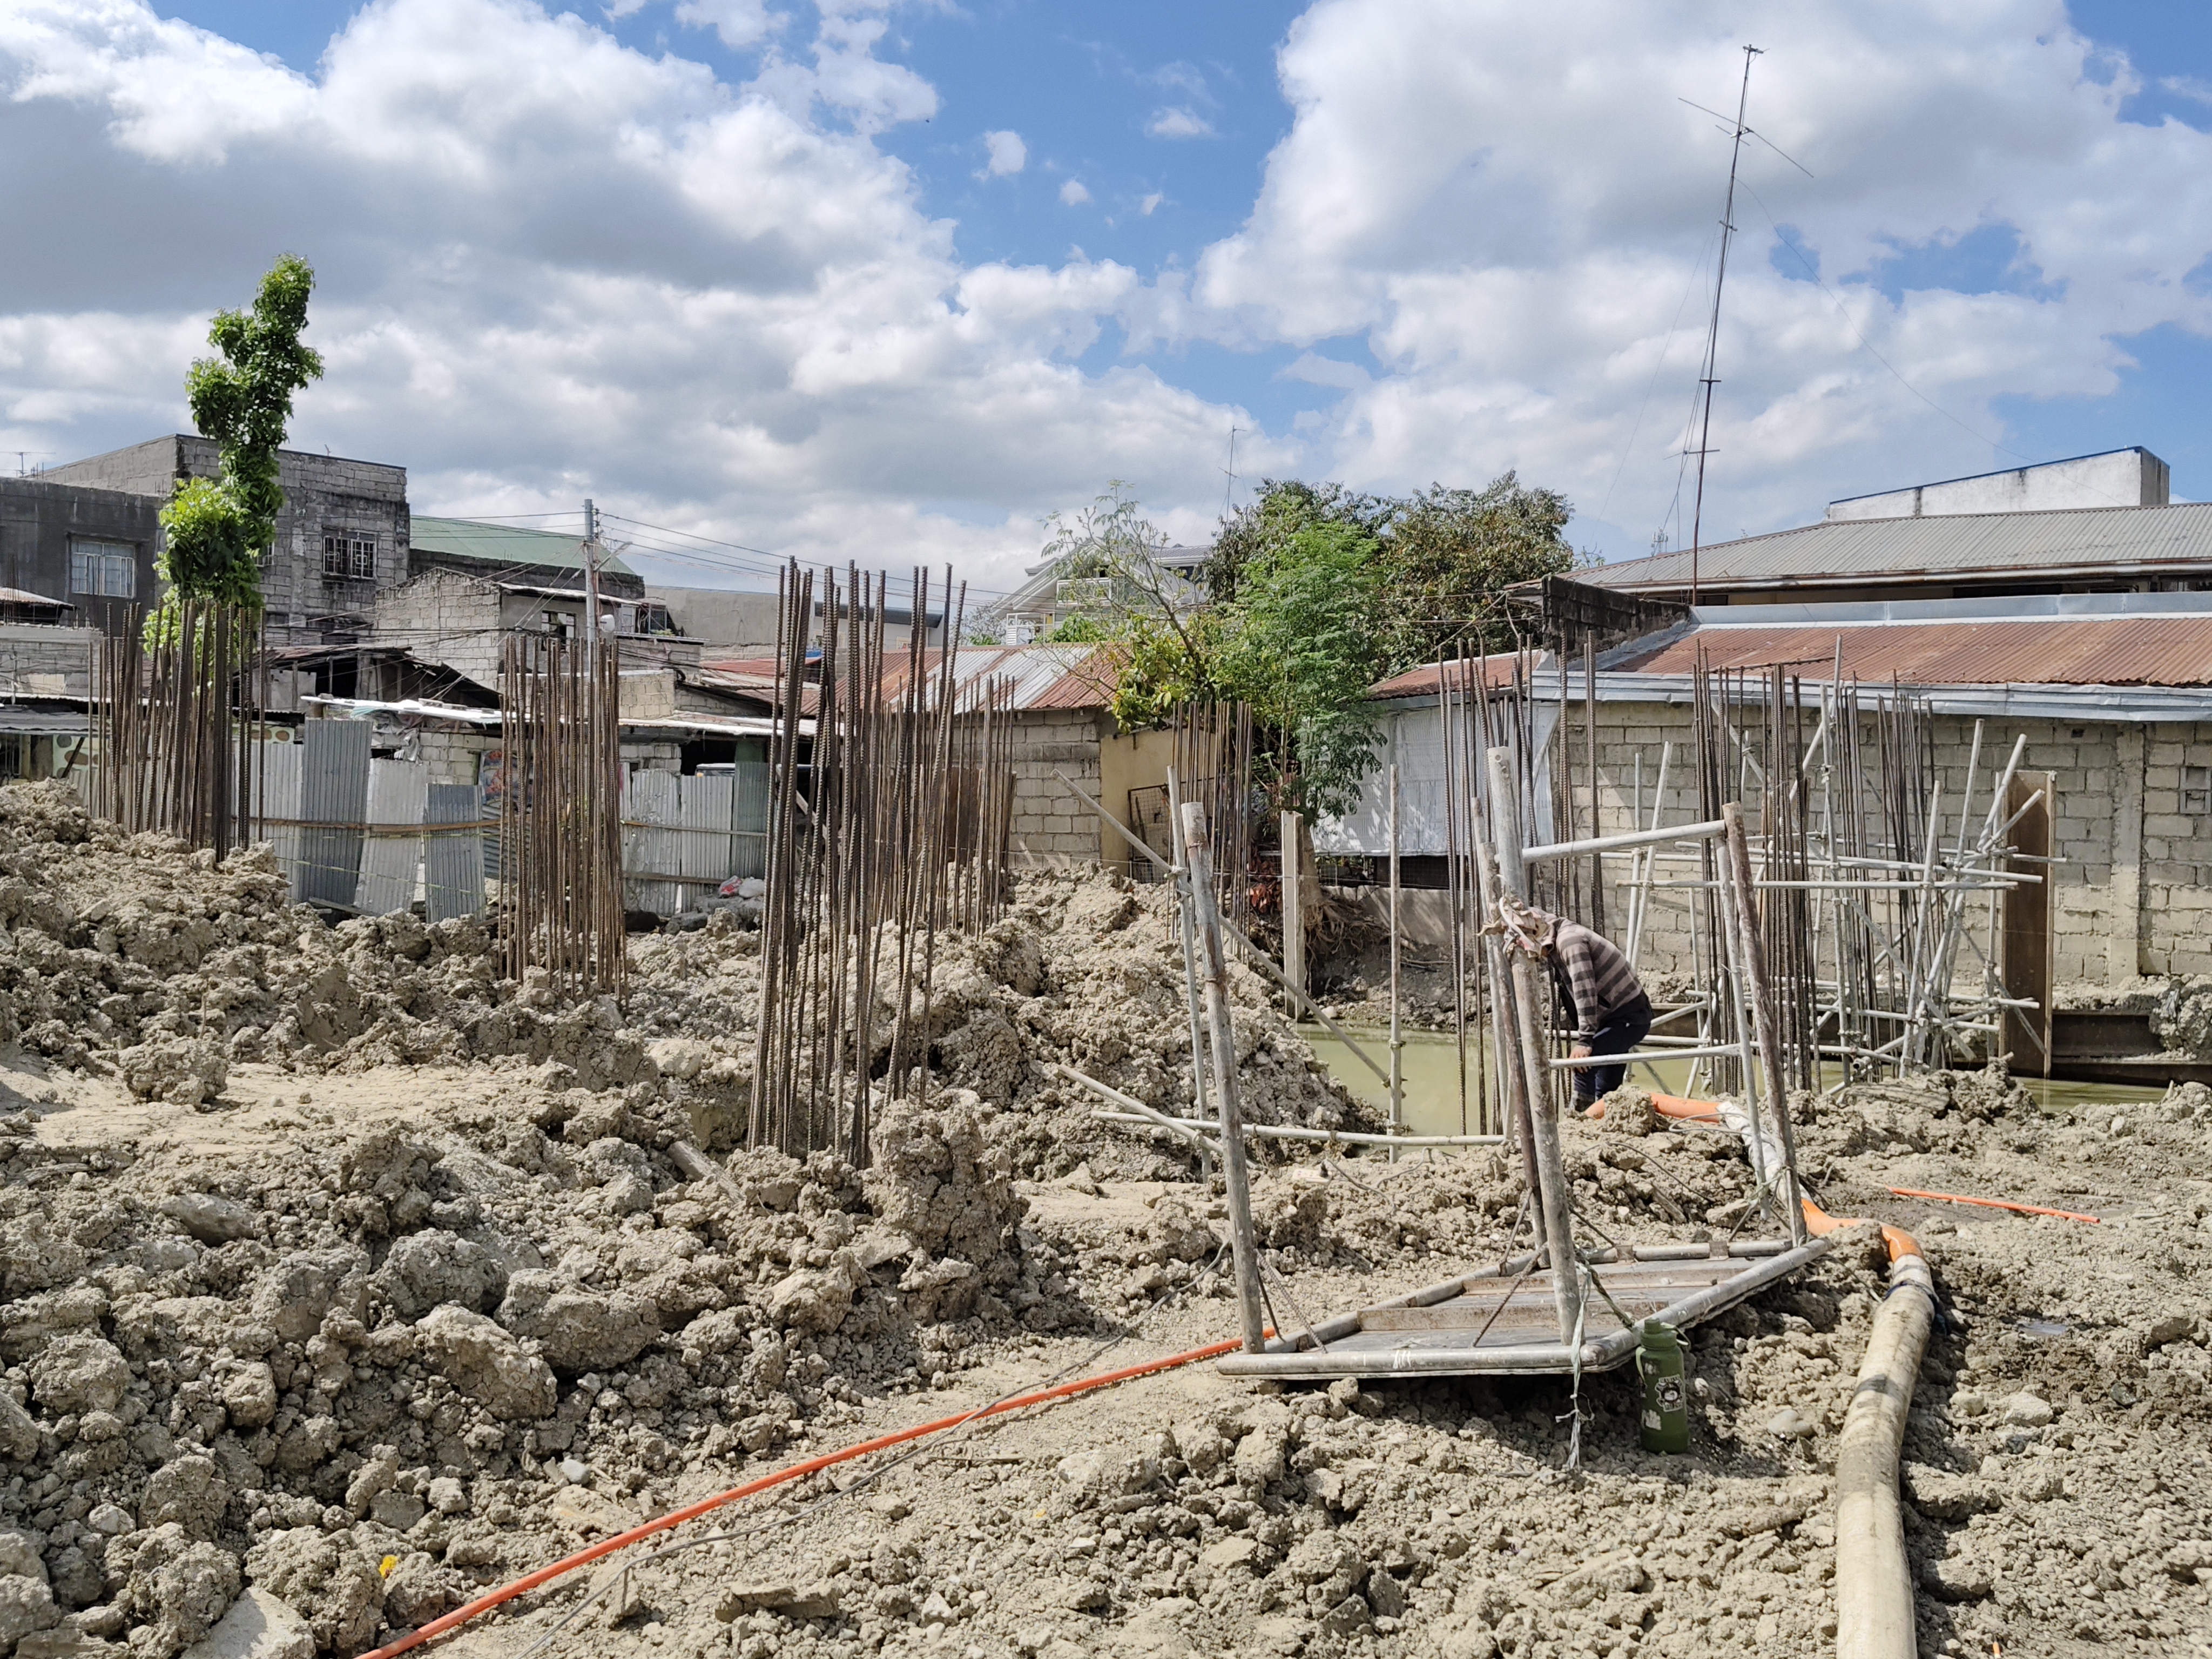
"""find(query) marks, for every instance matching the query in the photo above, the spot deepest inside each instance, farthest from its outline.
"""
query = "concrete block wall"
(2133, 896)
(322, 493)
(1052, 826)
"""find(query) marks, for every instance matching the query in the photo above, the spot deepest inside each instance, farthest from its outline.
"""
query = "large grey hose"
(1874, 1587)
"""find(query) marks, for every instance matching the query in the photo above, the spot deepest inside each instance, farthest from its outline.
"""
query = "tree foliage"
(1316, 592)
(1452, 553)
(215, 530)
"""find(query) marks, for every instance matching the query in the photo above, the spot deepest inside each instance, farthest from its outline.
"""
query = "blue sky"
(887, 279)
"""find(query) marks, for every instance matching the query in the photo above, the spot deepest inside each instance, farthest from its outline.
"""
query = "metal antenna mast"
(1710, 377)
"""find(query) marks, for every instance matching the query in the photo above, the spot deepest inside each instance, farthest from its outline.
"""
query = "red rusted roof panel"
(2055, 651)
(1428, 680)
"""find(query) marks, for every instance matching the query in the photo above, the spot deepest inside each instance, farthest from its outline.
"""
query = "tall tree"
(1452, 553)
(216, 529)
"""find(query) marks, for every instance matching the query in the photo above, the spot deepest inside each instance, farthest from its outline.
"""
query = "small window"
(2197, 791)
(108, 570)
(348, 557)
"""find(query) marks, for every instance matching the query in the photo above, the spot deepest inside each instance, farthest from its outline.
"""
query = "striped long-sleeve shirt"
(1594, 977)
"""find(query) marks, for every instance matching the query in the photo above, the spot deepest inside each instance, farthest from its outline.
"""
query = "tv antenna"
(1709, 376)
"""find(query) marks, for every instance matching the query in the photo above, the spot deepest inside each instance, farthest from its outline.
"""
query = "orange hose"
(1817, 1221)
(605, 1547)
(1999, 1204)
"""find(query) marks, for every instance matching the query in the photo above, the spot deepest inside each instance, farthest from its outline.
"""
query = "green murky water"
(1430, 1066)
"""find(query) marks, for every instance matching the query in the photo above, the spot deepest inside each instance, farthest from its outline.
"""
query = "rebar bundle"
(1210, 765)
(891, 808)
(179, 724)
(560, 822)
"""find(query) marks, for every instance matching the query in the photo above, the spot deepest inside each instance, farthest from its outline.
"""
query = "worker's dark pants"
(1619, 1034)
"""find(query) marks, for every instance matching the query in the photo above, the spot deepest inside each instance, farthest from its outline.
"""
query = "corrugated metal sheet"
(1428, 680)
(333, 790)
(453, 861)
(2173, 651)
(694, 833)
(2146, 538)
(1044, 676)
(391, 857)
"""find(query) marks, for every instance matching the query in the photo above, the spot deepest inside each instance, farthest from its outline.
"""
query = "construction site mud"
(344, 1281)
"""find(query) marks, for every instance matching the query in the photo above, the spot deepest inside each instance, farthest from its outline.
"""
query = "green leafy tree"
(1450, 554)
(215, 530)
(1278, 512)
(1083, 630)
(1300, 644)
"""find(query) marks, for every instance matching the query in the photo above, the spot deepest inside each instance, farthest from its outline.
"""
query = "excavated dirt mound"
(335, 1367)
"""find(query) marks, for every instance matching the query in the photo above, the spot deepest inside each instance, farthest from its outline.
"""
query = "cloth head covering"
(1525, 927)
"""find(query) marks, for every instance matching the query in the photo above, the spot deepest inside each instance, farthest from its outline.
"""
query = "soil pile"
(133, 954)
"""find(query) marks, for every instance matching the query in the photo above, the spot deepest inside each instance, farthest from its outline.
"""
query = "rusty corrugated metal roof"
(1849, 552)
(2128, 650)
(1429, 678)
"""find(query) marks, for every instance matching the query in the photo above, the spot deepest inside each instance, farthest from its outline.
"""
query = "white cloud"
(1178, 121)
(550, 266)
(1007, 155)
(1151, 201)
(738, 22)
(1509, 204)
(1073, 193)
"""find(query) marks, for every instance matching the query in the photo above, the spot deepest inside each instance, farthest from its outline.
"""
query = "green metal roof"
(506, 544)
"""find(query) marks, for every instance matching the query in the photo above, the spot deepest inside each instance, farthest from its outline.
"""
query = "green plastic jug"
(1665, 1424)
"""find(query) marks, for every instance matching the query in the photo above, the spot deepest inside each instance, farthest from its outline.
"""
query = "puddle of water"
(2061, 1099)
(1431, 1071)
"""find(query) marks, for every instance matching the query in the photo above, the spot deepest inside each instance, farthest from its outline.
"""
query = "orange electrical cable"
(605, 1547)
(1999, 1204)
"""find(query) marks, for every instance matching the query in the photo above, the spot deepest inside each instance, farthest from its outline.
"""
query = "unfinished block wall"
(1052, 827)
(2132, 897)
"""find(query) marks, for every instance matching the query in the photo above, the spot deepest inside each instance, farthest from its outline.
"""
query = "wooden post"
(1544, 1124)
(1752, 955)
(1397, 1042)
(1179, 878)
(1198, 860)
(1294, 920)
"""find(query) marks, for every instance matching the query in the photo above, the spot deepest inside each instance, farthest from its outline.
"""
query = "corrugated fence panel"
(333, 791)
(652, 806)
(682, 837)
(392, 861)
(453, 860)
(277, 800)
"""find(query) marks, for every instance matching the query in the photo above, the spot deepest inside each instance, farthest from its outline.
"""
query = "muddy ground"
(343, 1282)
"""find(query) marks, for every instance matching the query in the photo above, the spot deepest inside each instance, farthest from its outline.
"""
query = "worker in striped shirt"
(1599, 988)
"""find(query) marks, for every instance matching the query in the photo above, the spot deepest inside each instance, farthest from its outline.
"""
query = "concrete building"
(2112, 693)
(1077, 585)
(730, 622)
(2100, 524)
(341, 538)
(2119, 477)
(505, 553)
(460, 620)
(74, 552)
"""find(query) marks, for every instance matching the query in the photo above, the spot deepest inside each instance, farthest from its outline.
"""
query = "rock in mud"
(258, 1627)
(210, 1217)
(427, 1268)
(183, 1071)
(335, 1586)
(188, 1493)
(489, 1363)
(80, 1372)
(578, 1330)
